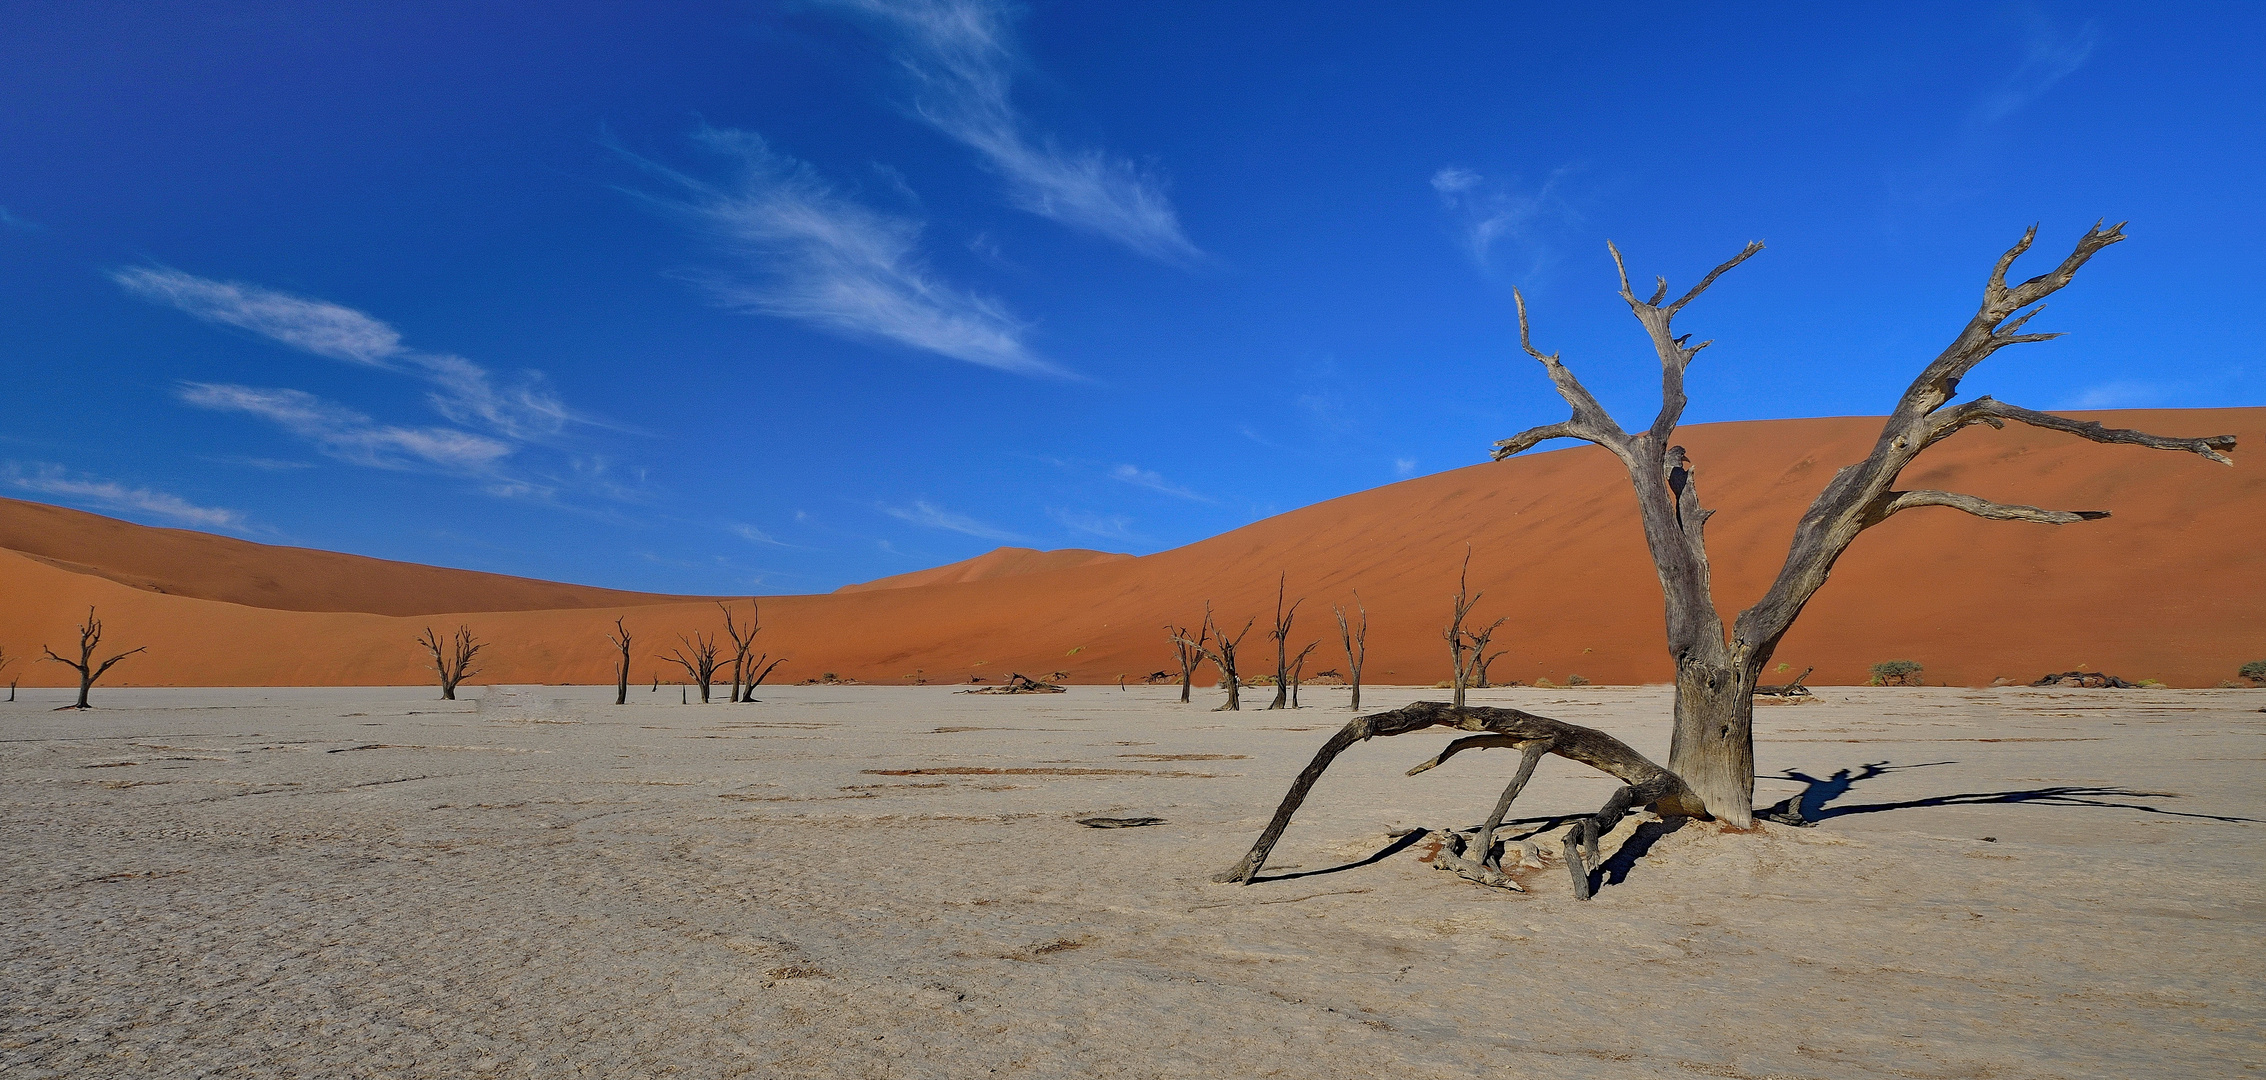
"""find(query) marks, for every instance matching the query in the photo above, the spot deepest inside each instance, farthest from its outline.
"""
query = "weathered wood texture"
(1644, 783)
(1716, 673)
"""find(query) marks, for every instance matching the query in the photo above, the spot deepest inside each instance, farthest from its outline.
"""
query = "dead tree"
(1463, 643)
(1481, 659)
(702, 664)
(90, 637)
(620, 638)
(1713, 745)
(452, 660)
(1189, 653)
(1281, 636)
(1221, 653)
(1644, 784)
(760, 671)
(742, 643)
(1297, 667)
(6, 660)
(1356, 641)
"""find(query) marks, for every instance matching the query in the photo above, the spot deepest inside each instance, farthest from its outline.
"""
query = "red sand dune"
(2169, 588)
(996, 563)
(210, 567)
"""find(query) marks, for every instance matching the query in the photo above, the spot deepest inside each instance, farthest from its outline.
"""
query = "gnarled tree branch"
(1898, 501)
(1646, 784)
(1985, 410)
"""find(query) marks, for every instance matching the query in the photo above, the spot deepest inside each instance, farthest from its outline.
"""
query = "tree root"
(1644, 784)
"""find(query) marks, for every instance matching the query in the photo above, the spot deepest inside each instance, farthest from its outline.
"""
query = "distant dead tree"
(1297, 667)
(1712, 749)
(742, 643)
(620, 638)
(1189, 653)
(1461, 641)
(757, 672)
(1481, 659)
(702, 664)
(90, 637)
(6, 660)
(452, 659)
(1356, 641)
(1221, 653)
(1281, 636)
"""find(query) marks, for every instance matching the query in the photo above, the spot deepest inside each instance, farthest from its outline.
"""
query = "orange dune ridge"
(2170, 588)
(996, 563)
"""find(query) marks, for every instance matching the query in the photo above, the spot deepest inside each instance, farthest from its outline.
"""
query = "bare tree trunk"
(1281, 636)
(1482, 662)
(90, 636)
(1356, 643)
(742, 644)
(1713, 748)
(762, 672)
(1222, 655)
(1298, 670)
(452, 661)
(620, 638)
(1189, 653)
(1460, 640)
(701, 665)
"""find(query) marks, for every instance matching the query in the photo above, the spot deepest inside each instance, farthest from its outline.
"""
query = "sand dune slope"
(2169, 588)
(996, 563)
(209, 567)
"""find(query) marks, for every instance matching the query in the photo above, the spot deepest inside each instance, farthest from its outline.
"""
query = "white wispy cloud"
(464, 392)
(1492, 212)
(350, 436)
(961, 56)
(820, 257)
(936, 517)
(56, 481)
(261, 463)
(1106, 526)
(1143, 478)
(10, 220)
(753, 535)
(2118, 395)
(2050, 53)
(1404, 466)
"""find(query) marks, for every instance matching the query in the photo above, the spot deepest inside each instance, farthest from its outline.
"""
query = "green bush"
(1896, 673)
(2255, 671)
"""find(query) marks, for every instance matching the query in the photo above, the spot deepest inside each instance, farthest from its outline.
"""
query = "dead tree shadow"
(1615, 870)
(1512, 830)
(1398, 844)
(1812, 804)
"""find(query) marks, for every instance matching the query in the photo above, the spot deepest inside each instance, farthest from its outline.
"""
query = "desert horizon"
(943, 539)
(1554, 548)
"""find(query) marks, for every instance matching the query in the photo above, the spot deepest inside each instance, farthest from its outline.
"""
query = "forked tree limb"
(1984, 508)
(1715, 671)
(1648, 784)
(1985, 410)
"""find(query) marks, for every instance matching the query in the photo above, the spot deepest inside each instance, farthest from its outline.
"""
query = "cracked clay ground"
(890, 882)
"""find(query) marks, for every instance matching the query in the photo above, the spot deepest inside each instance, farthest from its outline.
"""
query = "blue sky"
(759, 297)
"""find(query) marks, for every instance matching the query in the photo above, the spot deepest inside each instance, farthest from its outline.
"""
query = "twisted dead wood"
(1716, 671)
(1644, 783)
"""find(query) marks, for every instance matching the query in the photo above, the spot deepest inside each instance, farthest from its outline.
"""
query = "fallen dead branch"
(2088, 679)
(1020, 684)
(1644, 784)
